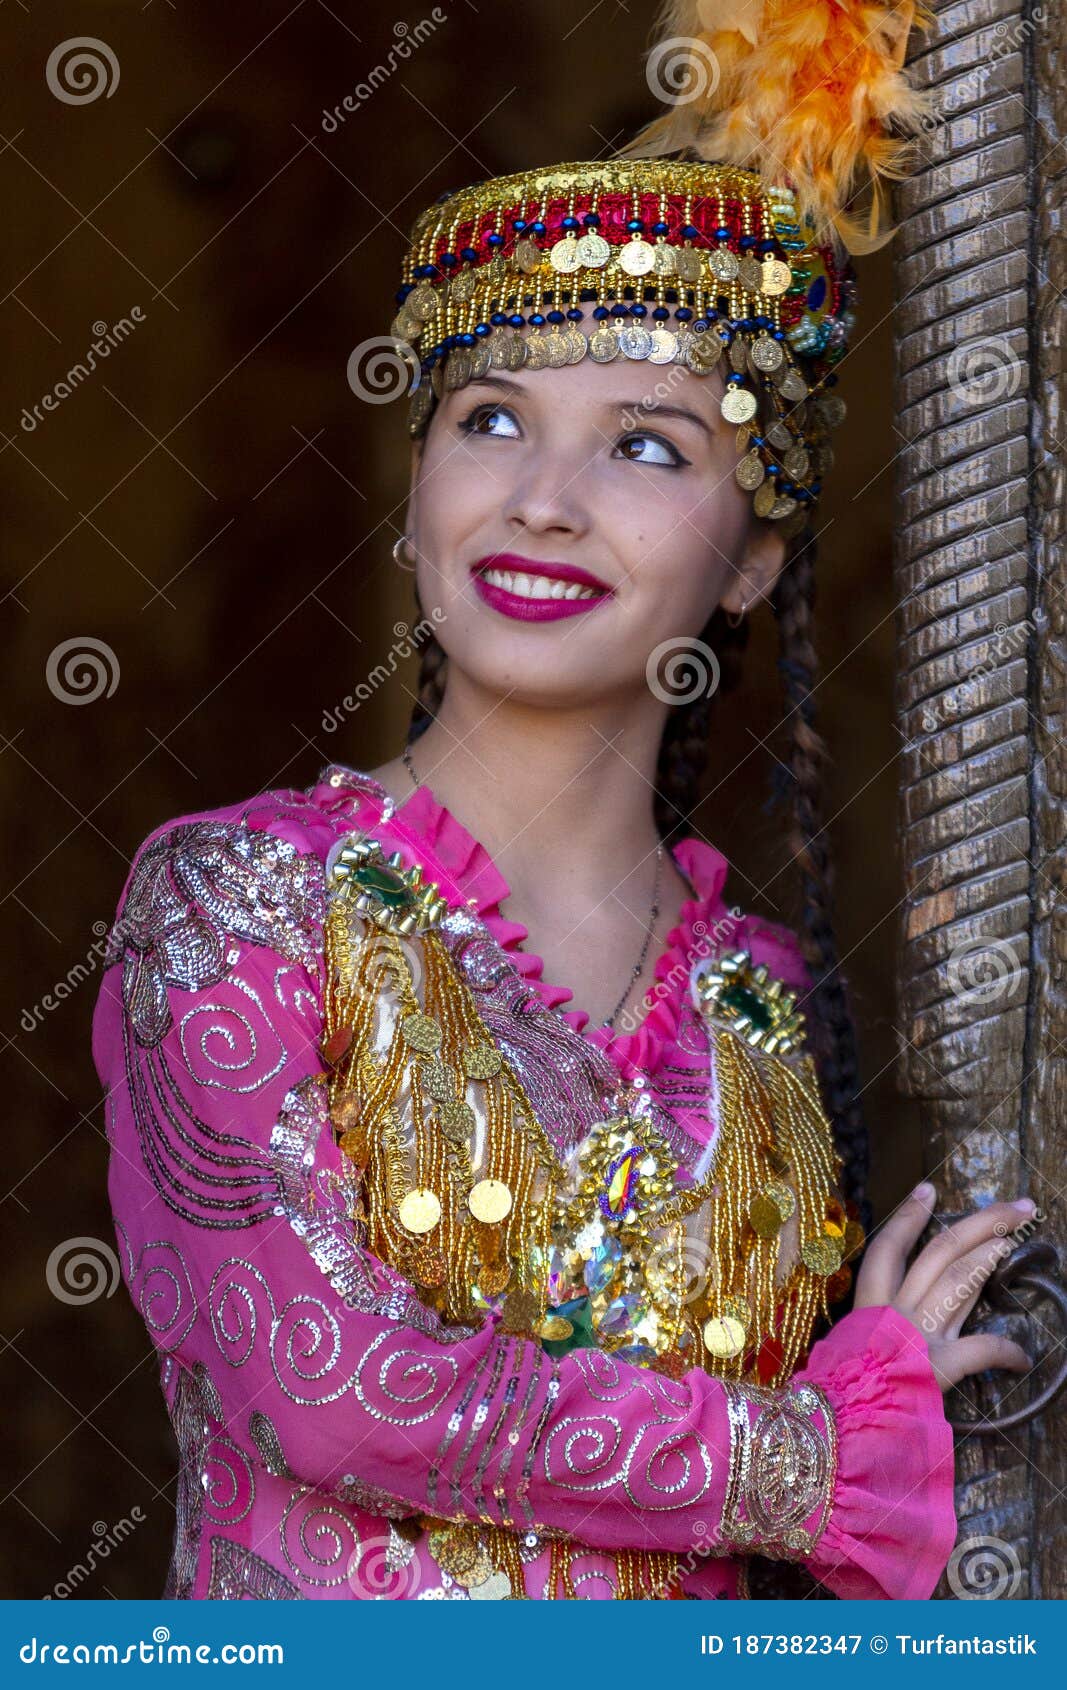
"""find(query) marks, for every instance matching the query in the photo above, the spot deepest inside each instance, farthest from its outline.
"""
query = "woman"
(460, 1292)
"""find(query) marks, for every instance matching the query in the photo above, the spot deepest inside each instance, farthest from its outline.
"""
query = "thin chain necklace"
(653, 914)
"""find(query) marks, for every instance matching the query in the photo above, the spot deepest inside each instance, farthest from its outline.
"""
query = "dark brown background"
(218, 507)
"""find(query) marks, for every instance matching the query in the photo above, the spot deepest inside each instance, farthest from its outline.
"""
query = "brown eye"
(650, 449)
(492, 420)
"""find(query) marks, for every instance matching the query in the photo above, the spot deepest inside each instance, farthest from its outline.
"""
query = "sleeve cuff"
(892, 1521)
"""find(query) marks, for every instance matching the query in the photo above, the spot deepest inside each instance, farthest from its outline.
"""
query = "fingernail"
(924, 1191)
(1025, 1205)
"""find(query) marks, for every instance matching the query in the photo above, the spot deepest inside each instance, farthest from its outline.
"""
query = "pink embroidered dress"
(319, 1405)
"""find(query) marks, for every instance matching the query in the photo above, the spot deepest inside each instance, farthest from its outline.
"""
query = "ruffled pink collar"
(422, 828)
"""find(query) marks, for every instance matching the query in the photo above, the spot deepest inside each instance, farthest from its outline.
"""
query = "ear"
(758, 568)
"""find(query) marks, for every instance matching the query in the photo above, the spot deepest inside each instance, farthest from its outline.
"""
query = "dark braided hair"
(683, 757)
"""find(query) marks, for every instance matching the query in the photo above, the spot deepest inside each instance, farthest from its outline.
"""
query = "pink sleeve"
(241, 1246)
(892, 1523)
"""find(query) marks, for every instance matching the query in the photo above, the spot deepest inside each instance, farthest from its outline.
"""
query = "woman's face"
(595, 483)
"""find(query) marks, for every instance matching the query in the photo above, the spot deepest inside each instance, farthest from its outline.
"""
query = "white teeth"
(536, 586)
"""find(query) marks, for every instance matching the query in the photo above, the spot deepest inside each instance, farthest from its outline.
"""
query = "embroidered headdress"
(732, 255)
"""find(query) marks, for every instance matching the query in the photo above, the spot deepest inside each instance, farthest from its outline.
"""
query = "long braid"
(834, 1035)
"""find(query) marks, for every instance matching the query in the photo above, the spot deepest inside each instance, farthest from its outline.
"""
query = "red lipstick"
(530, 591)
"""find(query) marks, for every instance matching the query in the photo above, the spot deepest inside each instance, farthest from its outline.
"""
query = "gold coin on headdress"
(421, 302)
(564, 255)
(738, 354)
(498, 349)
(833, 410)
(604, 345)
(458, 368)
(490, 1200)
(705, 349)
(822, 1255)
(739, 404)
(750, 471)
(421, 404)
(516, 350)
(724, 264)
(724, 1336)
(765, 1216)
(422, 1032)
(637, 257)
(783, 506)
(456, 1119)
(481, 1061)
(634, 341)
(480, 360)
(527, 256)
(779, 435)
(593, 250)
(766, 353)
(536, 350)
(462, 286)
(763, 498)
(404, 326)
(555, 348)
(576, 342)
(777, 276)
(793, 386)
(664, 346)
(796, 462)
(419, 1209)
(791, 525)
(664, 259)
(750, 274)
(687, 263)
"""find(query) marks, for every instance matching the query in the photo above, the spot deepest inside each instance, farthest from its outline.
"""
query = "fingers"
(947, 1304)
(996, 1220)
(960, 1357)
(882, 1271)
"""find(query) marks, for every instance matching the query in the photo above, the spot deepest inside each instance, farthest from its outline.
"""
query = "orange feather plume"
(812, 94)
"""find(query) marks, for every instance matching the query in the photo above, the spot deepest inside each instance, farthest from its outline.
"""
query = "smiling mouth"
(526, 586)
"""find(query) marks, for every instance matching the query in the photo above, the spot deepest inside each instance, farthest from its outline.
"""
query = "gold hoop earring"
(397, 559)
(740, 616)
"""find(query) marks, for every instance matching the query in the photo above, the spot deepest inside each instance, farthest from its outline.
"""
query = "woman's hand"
(944, 1282)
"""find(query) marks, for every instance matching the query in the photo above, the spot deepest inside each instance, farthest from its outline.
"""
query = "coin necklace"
(653, 914)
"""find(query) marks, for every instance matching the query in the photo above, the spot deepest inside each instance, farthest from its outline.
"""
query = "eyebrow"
(635, 407)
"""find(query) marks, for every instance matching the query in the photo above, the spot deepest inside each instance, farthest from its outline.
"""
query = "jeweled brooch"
(395, 898)
(757, 1007)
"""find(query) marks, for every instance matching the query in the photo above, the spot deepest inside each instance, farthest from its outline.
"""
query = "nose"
(547, 495)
